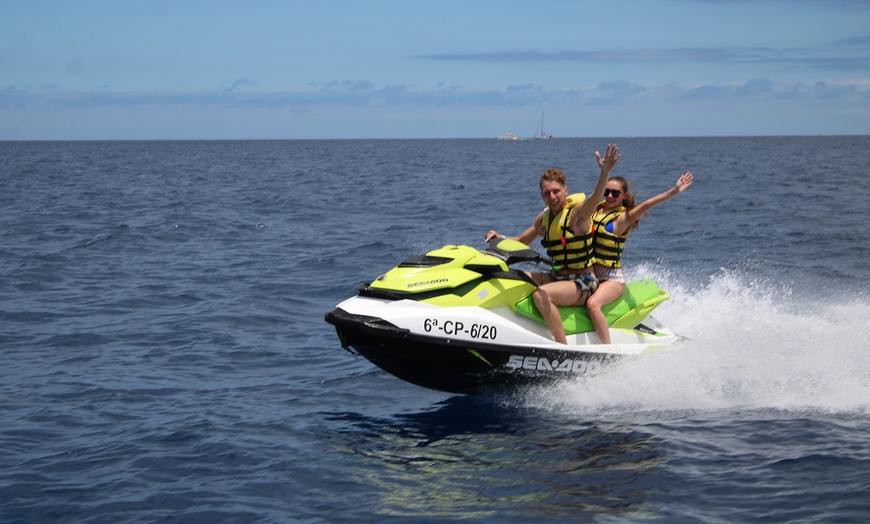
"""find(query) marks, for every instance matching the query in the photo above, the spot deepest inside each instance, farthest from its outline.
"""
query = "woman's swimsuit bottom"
(604, 273)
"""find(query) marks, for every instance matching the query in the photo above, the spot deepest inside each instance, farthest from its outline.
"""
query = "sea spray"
(746, 344)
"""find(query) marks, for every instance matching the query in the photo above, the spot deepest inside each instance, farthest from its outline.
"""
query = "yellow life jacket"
(606, 246)
(567, 250)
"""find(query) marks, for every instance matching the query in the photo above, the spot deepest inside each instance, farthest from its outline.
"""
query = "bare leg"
(607, 292)
(551, 295)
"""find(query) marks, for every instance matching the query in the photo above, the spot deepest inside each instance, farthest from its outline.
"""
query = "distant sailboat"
(542, 135)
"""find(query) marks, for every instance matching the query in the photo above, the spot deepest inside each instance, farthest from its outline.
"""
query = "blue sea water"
(165, 359)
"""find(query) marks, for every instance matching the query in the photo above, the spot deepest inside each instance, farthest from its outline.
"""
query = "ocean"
(165, 357)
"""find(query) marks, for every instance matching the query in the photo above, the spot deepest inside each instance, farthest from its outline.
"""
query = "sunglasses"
(614, 192)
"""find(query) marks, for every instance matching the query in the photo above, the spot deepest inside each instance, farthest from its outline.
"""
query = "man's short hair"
(552, 175)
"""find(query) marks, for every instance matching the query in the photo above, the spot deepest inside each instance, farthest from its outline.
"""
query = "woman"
(613, 220)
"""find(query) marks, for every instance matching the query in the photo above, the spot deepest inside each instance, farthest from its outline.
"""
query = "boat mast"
(543, 135)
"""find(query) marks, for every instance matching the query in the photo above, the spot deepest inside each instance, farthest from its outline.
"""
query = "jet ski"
(462, 320)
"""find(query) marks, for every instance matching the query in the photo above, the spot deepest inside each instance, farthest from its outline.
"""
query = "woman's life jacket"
(606, 246)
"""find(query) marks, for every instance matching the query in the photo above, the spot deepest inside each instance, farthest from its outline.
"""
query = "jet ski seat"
(638, 300)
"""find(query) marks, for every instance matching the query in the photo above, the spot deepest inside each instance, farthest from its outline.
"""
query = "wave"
(748, 343)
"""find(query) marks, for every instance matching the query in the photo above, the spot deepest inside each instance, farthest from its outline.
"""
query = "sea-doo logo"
(543, 364)
(428, 282)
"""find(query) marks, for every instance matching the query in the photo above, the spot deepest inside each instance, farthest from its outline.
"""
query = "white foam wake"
(747, 346)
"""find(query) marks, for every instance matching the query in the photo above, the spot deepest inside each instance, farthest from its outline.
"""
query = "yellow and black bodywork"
(455, 276)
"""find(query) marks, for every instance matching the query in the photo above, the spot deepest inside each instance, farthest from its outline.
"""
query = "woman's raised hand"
(684, 182)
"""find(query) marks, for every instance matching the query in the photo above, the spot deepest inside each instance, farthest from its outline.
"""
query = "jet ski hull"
(459, 363)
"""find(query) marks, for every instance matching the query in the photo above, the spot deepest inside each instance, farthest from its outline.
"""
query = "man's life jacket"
(567, 250)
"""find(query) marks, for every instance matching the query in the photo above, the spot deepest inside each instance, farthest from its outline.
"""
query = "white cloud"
(361, 109)
(364, 93)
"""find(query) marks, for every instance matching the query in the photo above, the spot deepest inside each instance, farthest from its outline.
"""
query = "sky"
(331, 69)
